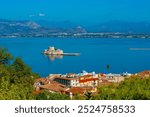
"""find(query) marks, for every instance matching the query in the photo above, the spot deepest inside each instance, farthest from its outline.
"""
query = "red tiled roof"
(87, 80)
(51, 85)
(44, 80)
(86, 76)
(39, 79)
(105, 82)
(102, 75)
(78, 90)
(146, 72)
(64, 78)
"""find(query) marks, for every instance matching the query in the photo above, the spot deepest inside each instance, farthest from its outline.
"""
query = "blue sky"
(76, 10)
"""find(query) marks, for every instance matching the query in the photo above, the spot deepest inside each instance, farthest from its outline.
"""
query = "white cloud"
(37, 15)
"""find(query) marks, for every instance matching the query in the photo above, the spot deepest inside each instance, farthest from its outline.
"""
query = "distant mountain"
(57, 24)
(121, 26)
(65, 26)
(45, 28)
(12, 27)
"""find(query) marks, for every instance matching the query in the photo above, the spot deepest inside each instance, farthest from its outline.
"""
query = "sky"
(76, 10)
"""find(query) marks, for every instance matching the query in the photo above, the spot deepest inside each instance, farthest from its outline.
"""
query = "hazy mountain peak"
(33, 25)
(121, 26)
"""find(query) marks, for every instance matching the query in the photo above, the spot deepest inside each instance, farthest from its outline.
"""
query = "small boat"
(139, 48)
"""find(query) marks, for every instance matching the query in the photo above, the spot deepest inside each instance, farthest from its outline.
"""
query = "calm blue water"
(95, 54)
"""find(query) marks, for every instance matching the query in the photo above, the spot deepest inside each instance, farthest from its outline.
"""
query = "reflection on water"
(53, 57)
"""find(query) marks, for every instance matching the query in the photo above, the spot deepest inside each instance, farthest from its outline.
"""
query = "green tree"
(133, 88)
(108, 67)
(16, 78)
(88, 95)
(5, 57)
(45, 95)
(21, 68)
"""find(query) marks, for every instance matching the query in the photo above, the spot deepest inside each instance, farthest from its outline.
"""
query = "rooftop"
(145, 73)
(79, 90)
(51, 85)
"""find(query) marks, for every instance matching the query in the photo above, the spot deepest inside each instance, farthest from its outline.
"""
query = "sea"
(96, 54)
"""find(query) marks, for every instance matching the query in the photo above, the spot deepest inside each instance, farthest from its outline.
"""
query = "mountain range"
(14, 27)
(122, 27)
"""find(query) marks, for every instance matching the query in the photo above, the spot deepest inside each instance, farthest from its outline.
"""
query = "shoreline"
(71, 38)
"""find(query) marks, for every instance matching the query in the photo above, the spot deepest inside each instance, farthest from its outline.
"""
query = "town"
(80, 83)
(115, 35)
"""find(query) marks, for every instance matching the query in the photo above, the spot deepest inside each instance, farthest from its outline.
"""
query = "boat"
(139, 48)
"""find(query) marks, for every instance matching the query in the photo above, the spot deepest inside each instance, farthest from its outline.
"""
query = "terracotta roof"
(146, 72)
(54, 87)
(87, 80)
(102, 75)
(86, 76)
(105, 82)
(51, 85)
(44, 80)
(78, 90)
(39, 79)
(64, 78)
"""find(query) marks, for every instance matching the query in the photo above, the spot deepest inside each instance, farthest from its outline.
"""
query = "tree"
(88, 95)
(45, 95)
(5, 57)
(133, 88)
(108, 67)
(21, 68)
(16, 78)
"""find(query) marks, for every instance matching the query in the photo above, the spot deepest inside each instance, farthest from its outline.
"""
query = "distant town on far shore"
(112, 29)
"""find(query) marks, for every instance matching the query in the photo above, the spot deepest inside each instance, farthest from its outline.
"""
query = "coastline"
(82, 35)
(70, 38)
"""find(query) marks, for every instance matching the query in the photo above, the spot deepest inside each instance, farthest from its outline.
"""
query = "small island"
(53, 51)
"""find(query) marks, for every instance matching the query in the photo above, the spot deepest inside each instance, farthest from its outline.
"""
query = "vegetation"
(133, 88)
(5, 57)
(45, 95)
(17, 79)
(108, 67)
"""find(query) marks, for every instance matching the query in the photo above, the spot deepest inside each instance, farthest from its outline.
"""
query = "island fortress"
(53, 51)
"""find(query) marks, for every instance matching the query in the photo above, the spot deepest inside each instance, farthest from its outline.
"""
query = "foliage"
(88, 95)
(5, 57)
(108, 67)
(16, 78)
(45, 95)
(78, 97)
(133, 88)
